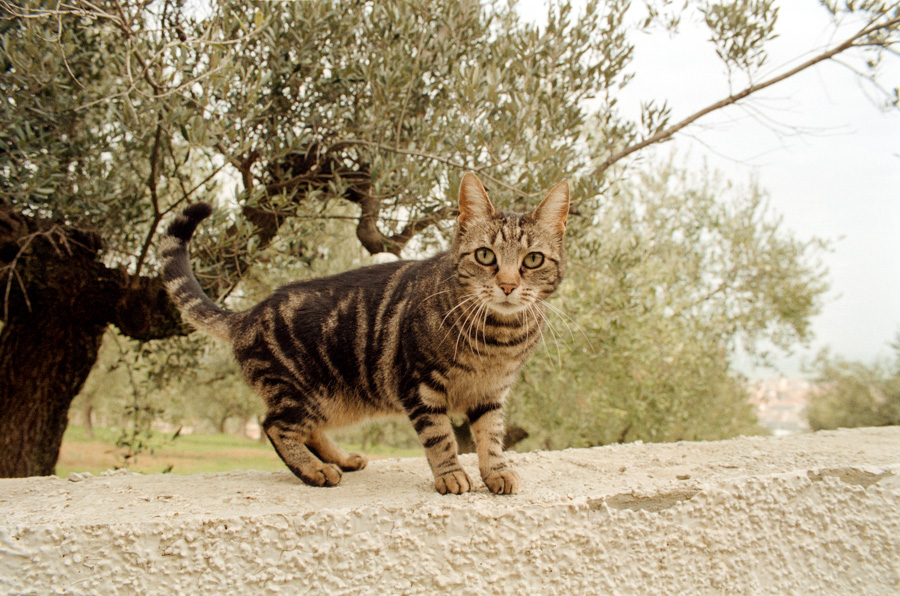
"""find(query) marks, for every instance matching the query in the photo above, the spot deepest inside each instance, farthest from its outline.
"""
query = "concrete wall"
(803, 514)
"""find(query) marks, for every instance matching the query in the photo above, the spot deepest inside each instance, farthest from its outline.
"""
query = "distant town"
(781, 404)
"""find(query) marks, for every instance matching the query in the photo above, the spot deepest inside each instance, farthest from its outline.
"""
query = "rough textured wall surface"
(804, 514)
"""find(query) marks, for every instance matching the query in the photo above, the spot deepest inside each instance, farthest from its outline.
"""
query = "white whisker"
(473, 327)
(436, 294)
(564, 316)
(461, 328)
(461, 303)
(556, 340)
(484, 317)
(540, 327)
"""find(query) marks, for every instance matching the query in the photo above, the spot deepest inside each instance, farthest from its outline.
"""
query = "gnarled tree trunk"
(44, 361)
(56, 300)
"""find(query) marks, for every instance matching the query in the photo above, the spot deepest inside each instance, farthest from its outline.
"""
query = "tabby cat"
(447, 335)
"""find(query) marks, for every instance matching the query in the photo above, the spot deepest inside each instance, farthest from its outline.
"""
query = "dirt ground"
(98, 456)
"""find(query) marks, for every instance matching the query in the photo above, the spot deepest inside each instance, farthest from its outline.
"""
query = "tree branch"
(732, 99)
(154, 197)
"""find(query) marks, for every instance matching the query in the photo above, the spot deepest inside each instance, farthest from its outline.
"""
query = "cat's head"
(509, 261)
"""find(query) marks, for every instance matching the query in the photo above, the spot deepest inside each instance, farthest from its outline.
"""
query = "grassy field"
(187, 454)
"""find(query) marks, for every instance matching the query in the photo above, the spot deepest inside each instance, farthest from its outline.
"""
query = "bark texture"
(57, 300)
(44, 361)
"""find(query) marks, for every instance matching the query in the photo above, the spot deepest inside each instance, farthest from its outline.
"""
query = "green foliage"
(118, 116)
(740, 29)
(702, 252)
(127, 389)
(851, 394)
(669, 276)
(177, 381)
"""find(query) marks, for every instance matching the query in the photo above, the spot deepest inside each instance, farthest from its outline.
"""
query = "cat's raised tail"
(183, 288)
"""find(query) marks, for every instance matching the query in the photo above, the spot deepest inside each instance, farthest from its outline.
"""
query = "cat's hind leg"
(321, 445)
(289, 431)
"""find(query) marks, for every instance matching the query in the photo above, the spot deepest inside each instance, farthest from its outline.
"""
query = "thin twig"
(412, 80)
(12, 270)
(154, 199)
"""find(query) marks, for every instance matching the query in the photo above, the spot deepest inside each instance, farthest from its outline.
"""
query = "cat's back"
(371, 284)
(343, 308)
(336, 331)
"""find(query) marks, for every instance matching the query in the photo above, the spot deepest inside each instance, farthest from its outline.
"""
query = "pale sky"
(828, 157)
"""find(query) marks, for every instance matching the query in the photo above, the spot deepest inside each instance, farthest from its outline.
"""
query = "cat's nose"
(508, 288)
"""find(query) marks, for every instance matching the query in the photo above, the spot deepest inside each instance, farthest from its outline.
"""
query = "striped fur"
(182, 286)
(446, 335)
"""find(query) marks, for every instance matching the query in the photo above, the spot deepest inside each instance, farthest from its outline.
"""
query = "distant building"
(781, 404)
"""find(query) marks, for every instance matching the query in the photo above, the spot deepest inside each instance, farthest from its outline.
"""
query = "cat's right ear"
(474, 203)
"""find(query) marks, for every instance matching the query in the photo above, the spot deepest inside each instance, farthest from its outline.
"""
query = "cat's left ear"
(554, 209)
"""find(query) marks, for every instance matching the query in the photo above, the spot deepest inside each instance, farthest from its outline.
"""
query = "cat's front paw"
(354, 462)
(326, 475)
(456, 482)
(503, 482)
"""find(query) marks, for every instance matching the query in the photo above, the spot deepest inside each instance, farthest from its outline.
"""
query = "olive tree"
(118, 112)
(849, 394)
(675, 272)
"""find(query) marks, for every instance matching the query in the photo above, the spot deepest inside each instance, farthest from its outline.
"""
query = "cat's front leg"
(435, 432)
(488, 430)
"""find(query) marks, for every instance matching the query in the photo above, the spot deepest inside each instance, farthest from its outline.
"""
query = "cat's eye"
(533, 260)
(485, 256)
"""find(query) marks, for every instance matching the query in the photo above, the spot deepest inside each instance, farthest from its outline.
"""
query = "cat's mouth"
(506, 306)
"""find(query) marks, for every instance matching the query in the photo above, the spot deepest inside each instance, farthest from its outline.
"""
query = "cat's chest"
(479, 381)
